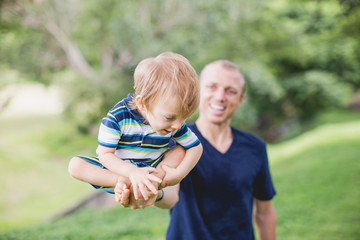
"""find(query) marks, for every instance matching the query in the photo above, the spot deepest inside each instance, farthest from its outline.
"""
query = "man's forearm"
(169, 197)
(266, 225)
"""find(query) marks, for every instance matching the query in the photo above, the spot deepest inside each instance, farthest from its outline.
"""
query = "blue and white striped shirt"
(126, 130)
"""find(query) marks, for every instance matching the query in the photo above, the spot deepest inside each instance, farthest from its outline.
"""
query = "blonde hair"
(167, 75)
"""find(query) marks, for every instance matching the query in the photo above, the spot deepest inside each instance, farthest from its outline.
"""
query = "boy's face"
(164, 116)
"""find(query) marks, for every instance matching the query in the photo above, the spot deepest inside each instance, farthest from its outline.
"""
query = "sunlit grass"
(316, 175)
(116, 223)
(34, 180)
(320, 136)
(319, 191)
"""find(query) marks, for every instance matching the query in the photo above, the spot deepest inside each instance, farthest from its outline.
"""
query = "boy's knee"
(75, 166)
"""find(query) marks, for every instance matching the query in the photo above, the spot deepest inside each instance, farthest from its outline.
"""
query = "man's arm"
(170, 196)
(265, 219)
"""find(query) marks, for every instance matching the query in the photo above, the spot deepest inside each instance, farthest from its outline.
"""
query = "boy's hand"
(141, 181)
(172, 176)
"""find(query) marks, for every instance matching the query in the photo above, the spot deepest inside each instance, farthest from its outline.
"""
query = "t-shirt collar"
(134, 112)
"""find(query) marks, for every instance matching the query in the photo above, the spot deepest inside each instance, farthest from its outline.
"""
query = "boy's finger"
(144, 192)
(136, 193)
(154, 178)
(151, 187)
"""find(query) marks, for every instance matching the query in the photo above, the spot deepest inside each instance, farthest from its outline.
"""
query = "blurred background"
(64, 64)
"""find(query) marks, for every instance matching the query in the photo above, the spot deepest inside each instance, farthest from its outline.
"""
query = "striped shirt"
(135, 141)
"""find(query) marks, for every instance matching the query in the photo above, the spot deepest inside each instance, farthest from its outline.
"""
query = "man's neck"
(218, 135)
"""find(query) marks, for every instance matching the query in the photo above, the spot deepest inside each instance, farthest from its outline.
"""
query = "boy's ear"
(139, 103)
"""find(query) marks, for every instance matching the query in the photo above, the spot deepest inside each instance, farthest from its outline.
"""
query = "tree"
(285, 49)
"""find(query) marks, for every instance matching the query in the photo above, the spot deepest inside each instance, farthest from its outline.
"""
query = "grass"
(316, 175)
(323, 135)
(34, 181)
(117, 223)
(318, 193)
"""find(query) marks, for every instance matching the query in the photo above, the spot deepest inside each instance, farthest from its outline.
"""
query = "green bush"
(314, 91)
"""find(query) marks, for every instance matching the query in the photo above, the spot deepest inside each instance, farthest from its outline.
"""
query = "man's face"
(220, 94)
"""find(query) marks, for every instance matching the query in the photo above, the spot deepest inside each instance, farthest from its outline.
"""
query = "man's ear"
(139, 103)
(242, 97)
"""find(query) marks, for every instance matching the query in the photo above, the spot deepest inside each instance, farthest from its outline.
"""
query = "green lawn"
(316, 175)
(118, 223)
(318, 193)
(34, 182)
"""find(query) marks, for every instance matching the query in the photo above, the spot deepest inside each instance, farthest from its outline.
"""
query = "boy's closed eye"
(169, 118)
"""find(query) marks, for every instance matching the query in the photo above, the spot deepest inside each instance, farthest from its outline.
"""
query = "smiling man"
(231, 184)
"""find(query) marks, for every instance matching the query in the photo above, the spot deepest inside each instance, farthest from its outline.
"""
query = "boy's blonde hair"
(167, 75)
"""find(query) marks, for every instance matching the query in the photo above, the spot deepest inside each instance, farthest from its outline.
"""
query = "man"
(231, 184)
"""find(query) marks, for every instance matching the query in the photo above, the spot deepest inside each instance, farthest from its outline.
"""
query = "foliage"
(314, 91)
(88, 105)
(275, 44)
(25, 49)
(311, 61)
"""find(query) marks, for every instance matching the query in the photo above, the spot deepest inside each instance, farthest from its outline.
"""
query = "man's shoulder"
(246, 136)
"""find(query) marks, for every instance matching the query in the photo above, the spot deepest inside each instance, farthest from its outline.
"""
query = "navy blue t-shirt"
(216, 198)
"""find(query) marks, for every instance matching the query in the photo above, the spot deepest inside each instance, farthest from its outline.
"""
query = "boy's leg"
(91, 173)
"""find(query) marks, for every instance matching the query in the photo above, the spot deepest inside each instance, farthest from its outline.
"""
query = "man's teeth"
(217, 107)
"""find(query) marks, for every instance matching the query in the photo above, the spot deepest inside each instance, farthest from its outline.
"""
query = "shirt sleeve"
(263, 185)
(185, 137)
(109, 132)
